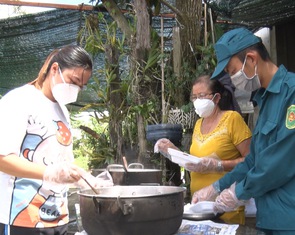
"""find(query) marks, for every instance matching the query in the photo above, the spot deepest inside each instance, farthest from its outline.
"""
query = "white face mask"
(243, 82)
(204, 107)
(65, 93)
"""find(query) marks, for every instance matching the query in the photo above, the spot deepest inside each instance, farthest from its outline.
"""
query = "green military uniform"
(268, 172)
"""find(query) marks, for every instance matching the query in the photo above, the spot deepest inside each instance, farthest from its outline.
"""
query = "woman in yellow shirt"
(220, 137)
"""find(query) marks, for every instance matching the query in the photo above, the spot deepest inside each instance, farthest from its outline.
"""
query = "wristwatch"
(219, 166)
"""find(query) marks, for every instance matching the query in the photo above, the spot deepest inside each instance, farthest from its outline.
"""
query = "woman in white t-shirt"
(36, 146)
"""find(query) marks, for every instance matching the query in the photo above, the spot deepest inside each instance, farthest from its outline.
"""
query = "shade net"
(27, 40)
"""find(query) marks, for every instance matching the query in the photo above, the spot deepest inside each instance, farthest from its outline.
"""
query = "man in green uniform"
(268, 172)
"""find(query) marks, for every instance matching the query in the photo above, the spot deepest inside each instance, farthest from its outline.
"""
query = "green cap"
(230, 44)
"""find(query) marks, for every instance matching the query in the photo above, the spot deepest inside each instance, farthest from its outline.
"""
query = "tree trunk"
(139, 46)
(141, 89)
(190, 36)
(115, 101)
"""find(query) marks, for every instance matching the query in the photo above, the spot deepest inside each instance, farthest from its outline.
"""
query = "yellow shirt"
(221, 142)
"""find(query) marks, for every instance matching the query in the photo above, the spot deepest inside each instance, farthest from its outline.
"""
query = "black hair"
(259, 47)
(225, 102)
(71, 56)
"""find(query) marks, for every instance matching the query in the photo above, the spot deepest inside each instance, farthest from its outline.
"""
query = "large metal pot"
(132, 210)
(136, 174)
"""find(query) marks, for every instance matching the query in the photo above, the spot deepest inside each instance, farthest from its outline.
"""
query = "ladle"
(125, 164)
(87, 182)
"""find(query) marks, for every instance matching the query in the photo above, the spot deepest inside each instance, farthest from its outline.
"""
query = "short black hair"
(259, 47)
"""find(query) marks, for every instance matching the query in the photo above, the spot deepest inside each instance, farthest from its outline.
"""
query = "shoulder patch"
(290, 117)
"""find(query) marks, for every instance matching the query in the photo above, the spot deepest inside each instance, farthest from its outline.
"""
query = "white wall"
(264, 34)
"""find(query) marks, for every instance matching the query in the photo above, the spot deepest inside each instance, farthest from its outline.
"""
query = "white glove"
(227, 200)
(162, 146)
(208, 193)
(104, 179)
(206, 165)
(61, 173)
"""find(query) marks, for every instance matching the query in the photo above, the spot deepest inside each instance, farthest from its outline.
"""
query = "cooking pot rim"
(177, 189)
(135, 170)
(120, 168)
(129, 170)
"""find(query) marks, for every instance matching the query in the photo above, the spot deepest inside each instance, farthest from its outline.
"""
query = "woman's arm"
(244, 149)
(63, 172)
(13, 165)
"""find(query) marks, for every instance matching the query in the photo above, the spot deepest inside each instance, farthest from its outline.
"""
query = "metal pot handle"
(126, 208)
(111, 166)
(97, 205)
(136, 165)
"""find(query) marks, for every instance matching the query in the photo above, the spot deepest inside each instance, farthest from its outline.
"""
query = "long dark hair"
(67, 57)
(225, 102)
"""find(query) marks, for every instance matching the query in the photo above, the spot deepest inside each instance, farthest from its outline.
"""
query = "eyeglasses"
(200, 96)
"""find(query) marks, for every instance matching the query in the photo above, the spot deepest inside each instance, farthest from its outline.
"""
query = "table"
(245, 230)
(248, 229)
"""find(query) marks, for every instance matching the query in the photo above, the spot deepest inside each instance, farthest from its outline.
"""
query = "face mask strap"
(213, 98)
(62, 77)
(244, 64)
(248, 78)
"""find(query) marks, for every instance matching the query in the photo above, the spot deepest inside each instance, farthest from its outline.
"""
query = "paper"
(206, 227)
(182, 158)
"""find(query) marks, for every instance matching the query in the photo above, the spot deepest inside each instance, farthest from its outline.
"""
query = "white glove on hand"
(104, 179)
(61, 173)
(162, 146)
(227, 200)
(208, 193)
(206, 165)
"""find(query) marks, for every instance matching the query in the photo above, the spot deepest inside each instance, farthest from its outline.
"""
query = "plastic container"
(203, 207)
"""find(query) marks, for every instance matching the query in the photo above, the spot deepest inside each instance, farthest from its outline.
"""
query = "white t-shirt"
(37, 130)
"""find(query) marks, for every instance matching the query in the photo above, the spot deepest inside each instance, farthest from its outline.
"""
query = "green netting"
(262, 13)
(253, 14)
(26, 41)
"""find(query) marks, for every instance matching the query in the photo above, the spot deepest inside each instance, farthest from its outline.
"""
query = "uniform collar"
(274, 85)
(277, 80)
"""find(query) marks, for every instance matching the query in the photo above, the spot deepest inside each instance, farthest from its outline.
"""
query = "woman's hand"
(162, 146)
(62, 173)
(206, 165)
(104, 179)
